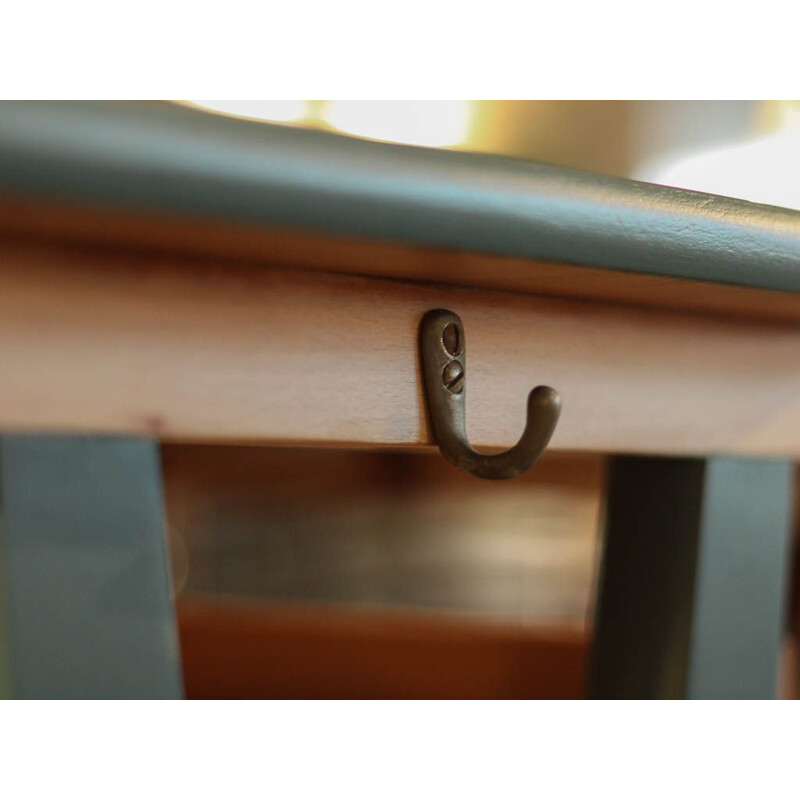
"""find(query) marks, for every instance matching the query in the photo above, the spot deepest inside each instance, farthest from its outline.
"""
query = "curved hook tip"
(544, 399)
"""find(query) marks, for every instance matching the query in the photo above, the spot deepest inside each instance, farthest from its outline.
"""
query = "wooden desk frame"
(170, 276)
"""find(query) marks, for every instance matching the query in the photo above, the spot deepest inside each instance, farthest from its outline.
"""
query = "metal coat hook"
(444, 364)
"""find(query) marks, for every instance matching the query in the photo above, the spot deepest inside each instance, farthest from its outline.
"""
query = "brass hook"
(444, 363)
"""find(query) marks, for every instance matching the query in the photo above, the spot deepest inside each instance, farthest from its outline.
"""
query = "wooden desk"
(170, 276)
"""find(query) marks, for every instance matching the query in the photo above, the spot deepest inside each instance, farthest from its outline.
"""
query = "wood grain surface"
(251, 650)
(191, 350)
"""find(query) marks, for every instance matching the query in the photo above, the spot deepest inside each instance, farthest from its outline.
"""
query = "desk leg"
(85, 602)
(694, 578)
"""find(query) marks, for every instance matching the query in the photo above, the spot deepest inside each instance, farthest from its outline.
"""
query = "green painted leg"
(85, 588)
(694, 578)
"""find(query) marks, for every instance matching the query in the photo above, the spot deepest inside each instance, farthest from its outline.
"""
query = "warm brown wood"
(240, 650)
(400, 530)
(191, 351)
(148, 233)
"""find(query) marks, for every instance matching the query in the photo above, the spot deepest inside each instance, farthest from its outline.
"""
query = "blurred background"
(323, 573)
(742, 148)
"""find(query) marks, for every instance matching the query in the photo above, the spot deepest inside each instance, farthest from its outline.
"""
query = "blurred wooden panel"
(236, 650)
(391, 530)
(191, 351)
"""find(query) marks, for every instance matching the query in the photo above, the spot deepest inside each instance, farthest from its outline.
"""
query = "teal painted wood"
(692, 594)
(86, 593)
(160, 157)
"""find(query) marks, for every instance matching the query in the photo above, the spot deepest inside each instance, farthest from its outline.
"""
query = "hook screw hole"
(451, 339)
